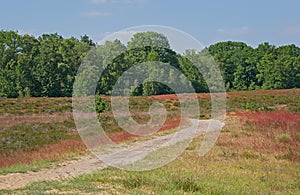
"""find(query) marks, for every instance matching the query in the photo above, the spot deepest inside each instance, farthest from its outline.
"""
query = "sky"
(209, 21)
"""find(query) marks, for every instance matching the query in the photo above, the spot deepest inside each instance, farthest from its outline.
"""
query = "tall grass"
(47, 153)
(31, 142)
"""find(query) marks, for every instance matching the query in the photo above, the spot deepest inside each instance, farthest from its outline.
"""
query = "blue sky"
(209, 21)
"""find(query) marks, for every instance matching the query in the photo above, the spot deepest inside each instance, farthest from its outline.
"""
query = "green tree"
(111, 64)
(143, 39)
(73, 52)
(9, 50)
(85, 39)
(246, 71)
(26, 64)
(278, 68)
(228, 55)
(47, 65)
(266, 55)
(46, 71)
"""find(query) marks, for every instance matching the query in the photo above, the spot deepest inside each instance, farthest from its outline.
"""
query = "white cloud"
(135, 1)
(29, 32)
(96, 14)
(234, 31)
(98, 1)
(123, 36)
(129, 2)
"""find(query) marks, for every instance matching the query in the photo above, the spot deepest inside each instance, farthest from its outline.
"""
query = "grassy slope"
(251, 155)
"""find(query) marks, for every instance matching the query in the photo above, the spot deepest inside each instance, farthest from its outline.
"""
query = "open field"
(257, 152)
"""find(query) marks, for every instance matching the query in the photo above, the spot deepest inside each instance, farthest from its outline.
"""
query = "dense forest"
(47, 65)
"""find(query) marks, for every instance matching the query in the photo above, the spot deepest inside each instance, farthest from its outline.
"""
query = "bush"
(100, 104)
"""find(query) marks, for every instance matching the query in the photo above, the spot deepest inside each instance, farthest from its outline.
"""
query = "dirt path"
(88, 164)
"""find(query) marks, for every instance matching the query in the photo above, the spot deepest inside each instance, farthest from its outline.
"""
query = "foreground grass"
(23, 168)
(30, 146)
(222, 171)
(251, 156)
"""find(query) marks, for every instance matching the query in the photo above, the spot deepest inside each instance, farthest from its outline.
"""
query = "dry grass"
(171, 123)
(11, 120)
(224, 170)
(257, 153)
(270, 133)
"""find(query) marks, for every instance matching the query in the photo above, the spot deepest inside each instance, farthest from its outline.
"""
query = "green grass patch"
(191, 176)
(23, 168)
(22, 106)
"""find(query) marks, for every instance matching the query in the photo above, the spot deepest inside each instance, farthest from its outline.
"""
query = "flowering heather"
(272, 133)
(49, 152)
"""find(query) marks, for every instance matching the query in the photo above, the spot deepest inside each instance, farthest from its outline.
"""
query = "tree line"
(47, 65)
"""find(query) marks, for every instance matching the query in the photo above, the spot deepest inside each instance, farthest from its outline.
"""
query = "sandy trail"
(88, 164)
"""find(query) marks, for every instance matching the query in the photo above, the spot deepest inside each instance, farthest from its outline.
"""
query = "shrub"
(100, 104)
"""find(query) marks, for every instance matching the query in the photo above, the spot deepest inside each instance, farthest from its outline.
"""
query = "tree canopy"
(143, 39)
(47, 65)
